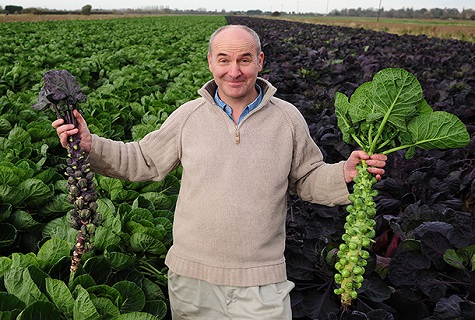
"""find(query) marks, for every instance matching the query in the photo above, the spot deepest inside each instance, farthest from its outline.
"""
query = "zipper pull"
(237, 136)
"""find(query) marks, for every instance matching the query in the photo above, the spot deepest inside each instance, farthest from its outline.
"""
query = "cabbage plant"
(383, 115)
(62, 92)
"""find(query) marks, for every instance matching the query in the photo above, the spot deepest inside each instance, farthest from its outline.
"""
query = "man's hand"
(376, 164)
(66, 130)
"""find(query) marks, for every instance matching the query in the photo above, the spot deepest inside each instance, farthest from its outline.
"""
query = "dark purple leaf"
(434, 242)
(60, 85)
(375, 289)
(43, 101)
(448, 308)
(404, 267)
(319, 306)
(467, 309)
(380, 314)
(430, 285)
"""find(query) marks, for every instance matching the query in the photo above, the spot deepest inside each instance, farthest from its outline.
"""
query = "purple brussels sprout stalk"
(62, 92)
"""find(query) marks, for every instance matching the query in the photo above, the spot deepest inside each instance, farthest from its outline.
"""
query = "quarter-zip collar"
(247, 109)
(268, 90)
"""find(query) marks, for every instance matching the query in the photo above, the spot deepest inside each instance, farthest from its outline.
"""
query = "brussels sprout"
(359, 231)
(63, 93)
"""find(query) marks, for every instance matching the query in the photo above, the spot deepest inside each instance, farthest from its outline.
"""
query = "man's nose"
(234, 70)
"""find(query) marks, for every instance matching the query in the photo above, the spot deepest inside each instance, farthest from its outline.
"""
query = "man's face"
(235, 64)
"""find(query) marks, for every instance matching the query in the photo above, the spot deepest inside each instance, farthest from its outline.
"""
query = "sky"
(299, 6)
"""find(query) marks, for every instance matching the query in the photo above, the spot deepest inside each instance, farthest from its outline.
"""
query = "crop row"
(134, 73)
(422, 261)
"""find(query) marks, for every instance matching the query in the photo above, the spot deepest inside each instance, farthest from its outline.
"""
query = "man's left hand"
(376, 163)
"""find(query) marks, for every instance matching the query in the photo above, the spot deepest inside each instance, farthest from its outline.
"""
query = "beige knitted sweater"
(229, 223)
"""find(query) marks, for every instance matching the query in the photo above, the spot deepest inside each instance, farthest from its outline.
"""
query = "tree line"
(404, 13)
(408, 13)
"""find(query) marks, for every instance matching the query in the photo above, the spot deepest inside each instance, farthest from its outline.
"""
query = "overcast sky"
(318, 6)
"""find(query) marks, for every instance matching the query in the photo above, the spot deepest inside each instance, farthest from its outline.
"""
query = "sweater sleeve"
(311, 178)
(151, 158)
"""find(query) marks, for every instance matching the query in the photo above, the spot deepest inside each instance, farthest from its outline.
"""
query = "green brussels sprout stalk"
(382, 116)
(63, 93)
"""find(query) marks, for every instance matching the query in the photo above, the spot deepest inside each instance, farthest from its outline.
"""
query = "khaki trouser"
(196, 299)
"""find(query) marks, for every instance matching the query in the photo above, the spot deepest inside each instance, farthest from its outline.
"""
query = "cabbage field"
(136, 71)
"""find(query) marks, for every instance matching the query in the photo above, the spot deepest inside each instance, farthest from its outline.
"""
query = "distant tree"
(436, 13)
(86, 10)
(13, 9)
(254, 12)
(276, 14)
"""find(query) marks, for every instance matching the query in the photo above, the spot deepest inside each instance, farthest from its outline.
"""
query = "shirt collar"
(249, 107)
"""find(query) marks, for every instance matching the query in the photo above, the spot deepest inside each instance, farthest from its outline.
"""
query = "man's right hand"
(66, 130)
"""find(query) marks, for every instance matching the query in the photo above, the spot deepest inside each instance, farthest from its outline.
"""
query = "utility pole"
(379, 9)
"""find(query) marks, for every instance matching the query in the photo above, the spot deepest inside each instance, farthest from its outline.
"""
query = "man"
(241, 150)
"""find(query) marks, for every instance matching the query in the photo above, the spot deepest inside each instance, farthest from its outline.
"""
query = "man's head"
(235, 59)
(252, 32)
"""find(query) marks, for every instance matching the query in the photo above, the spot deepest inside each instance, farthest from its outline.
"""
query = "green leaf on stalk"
(23, 221)
(83, 281)
(84, 309)
(438, 130)
(133, 298)
(12, 195)
(58, 205)
(105, 206)
(105, 308)
(5, 211)
(118, 259)
(152, 290)
(59, 228)
(5, 265)
(104, 237)
(40, 310)
(20, 260)
(37, 192)
(158, 308)
(18, 281)
(109, 184)
(5, 126)
(105, 291)
(9, 301)
(60, 296)
(8, 235)
(136, 316)
(98, 268)
(159, 200)
(8, 176)
(396, 94)
(453, 259)
(342, 107)
(48, 176)
(51, 252)
(141, 242)
(18, 134)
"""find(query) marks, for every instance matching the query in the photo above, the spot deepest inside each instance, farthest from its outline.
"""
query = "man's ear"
(261, 60)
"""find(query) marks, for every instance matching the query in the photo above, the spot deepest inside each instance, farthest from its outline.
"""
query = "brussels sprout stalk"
(62, 92)
(382, 116)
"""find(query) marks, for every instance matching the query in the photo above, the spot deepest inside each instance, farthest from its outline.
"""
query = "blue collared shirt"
(246, 110)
